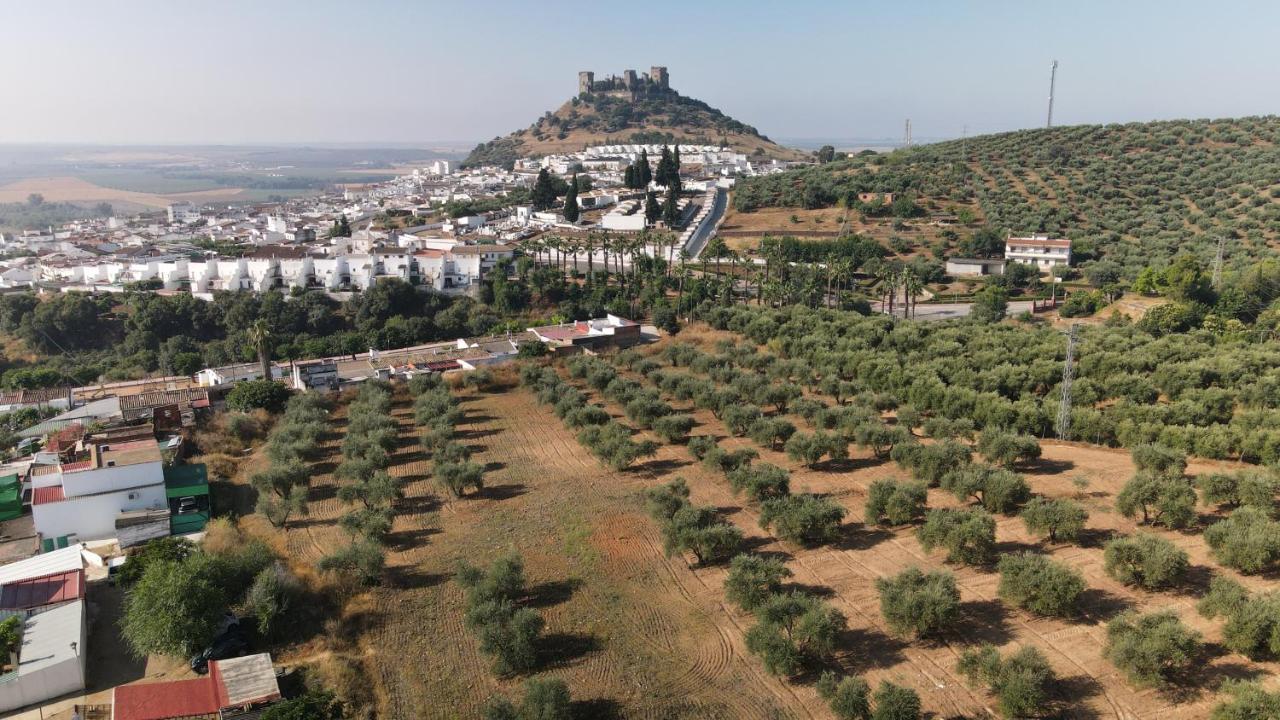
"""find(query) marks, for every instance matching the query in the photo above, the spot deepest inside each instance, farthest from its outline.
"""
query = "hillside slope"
(1136, 193)
(599, 119)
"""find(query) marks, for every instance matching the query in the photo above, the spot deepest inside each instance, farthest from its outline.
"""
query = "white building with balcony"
(1038, 249)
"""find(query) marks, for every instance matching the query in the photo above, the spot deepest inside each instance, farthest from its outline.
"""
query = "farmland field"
(637, 634)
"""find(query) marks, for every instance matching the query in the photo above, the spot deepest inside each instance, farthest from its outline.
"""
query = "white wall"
(93, 517)
(112, 478)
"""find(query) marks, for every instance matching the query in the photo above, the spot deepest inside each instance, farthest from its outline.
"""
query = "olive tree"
(1248, 540)
(1021, 682)
(793, 631)
(1007, 449)
(996, 489)
(1152, 648)
(894, 503)
(1253, 620)
(918, 603)
(1055, 518)
(849, 697)
(761, 481)
(804, 519)
(1040, 585)
(753, 579)
(1159, 459)
(1146, 560)
(1157, 498)
(968, 535)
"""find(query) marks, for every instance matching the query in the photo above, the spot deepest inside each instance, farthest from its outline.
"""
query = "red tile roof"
(51, 494)
(39, 591)
(77, 466)
(164, 700)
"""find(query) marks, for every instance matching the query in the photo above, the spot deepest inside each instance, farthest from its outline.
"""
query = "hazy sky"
(231, 71)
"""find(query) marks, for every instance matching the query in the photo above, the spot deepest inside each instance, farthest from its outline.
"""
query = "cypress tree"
(651, 209)
(674, 178)
(645, 172)
(665, 167)
(670, 212)
(629, 176)
(571, 201)
(543, 195)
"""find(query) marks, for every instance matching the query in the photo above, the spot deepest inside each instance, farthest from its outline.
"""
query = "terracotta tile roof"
(162, 397)
(164, 700)
(45, 590)
(50, 494)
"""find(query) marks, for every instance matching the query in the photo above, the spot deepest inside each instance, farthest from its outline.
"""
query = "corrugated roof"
(56, 561)
(245, 680)
(40, 591)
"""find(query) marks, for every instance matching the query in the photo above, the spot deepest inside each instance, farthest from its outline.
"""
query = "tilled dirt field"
(636, 634)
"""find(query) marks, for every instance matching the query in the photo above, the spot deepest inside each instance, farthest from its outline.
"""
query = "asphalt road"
(703, 233)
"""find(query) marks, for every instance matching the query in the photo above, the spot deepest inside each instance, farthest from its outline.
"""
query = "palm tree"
(259, 338)
(912, 287)
(591, 253)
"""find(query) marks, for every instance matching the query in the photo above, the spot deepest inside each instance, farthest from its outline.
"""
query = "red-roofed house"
(42, 591)
(240, 683)
(47, 593)
(600, 332)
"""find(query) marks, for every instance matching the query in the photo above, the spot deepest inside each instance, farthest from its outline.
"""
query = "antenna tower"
(1053, 77)
(1068, 374)
(907, 135)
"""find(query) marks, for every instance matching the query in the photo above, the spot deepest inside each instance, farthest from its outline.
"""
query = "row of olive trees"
(292, 445)
(436, 412)
(371, 440)
(610, 441)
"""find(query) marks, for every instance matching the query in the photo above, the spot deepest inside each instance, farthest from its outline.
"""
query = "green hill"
(661, 116)
(1136, 194)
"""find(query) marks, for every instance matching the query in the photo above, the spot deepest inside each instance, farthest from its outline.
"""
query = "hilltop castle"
(656, 80)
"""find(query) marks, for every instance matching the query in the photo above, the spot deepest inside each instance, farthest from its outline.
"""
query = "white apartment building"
(1038, 249)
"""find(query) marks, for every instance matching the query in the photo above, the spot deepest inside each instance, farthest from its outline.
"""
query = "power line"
(1217, 262)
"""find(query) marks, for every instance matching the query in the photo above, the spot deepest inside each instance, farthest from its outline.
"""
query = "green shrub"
(761, 481)
(251, 395)
(1007, 449)
(849, 697)
(894, 702)
(997, 490)
(699, 531)
(1246, 701)
(1159, 459)
(1253, 620)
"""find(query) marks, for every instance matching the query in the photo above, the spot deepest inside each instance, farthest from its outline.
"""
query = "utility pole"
(1068, 374)
(1053, 76)
(1217, 262)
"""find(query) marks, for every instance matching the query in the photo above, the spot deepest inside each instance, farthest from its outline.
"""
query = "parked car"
(230, 642)
(187, 505)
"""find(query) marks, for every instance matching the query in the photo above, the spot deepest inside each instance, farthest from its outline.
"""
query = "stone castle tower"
(630, 83)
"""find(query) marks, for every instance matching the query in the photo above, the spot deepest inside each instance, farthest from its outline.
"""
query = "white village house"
(1038, 249)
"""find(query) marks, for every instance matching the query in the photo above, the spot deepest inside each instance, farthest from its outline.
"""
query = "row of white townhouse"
(285, 267)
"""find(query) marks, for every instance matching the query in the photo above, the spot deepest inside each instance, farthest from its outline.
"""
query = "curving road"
(699, 239)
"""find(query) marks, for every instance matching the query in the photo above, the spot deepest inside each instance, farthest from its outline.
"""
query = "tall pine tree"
(571, 201)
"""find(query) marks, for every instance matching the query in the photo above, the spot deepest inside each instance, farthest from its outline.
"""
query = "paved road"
(944, 311)
(700, 236)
